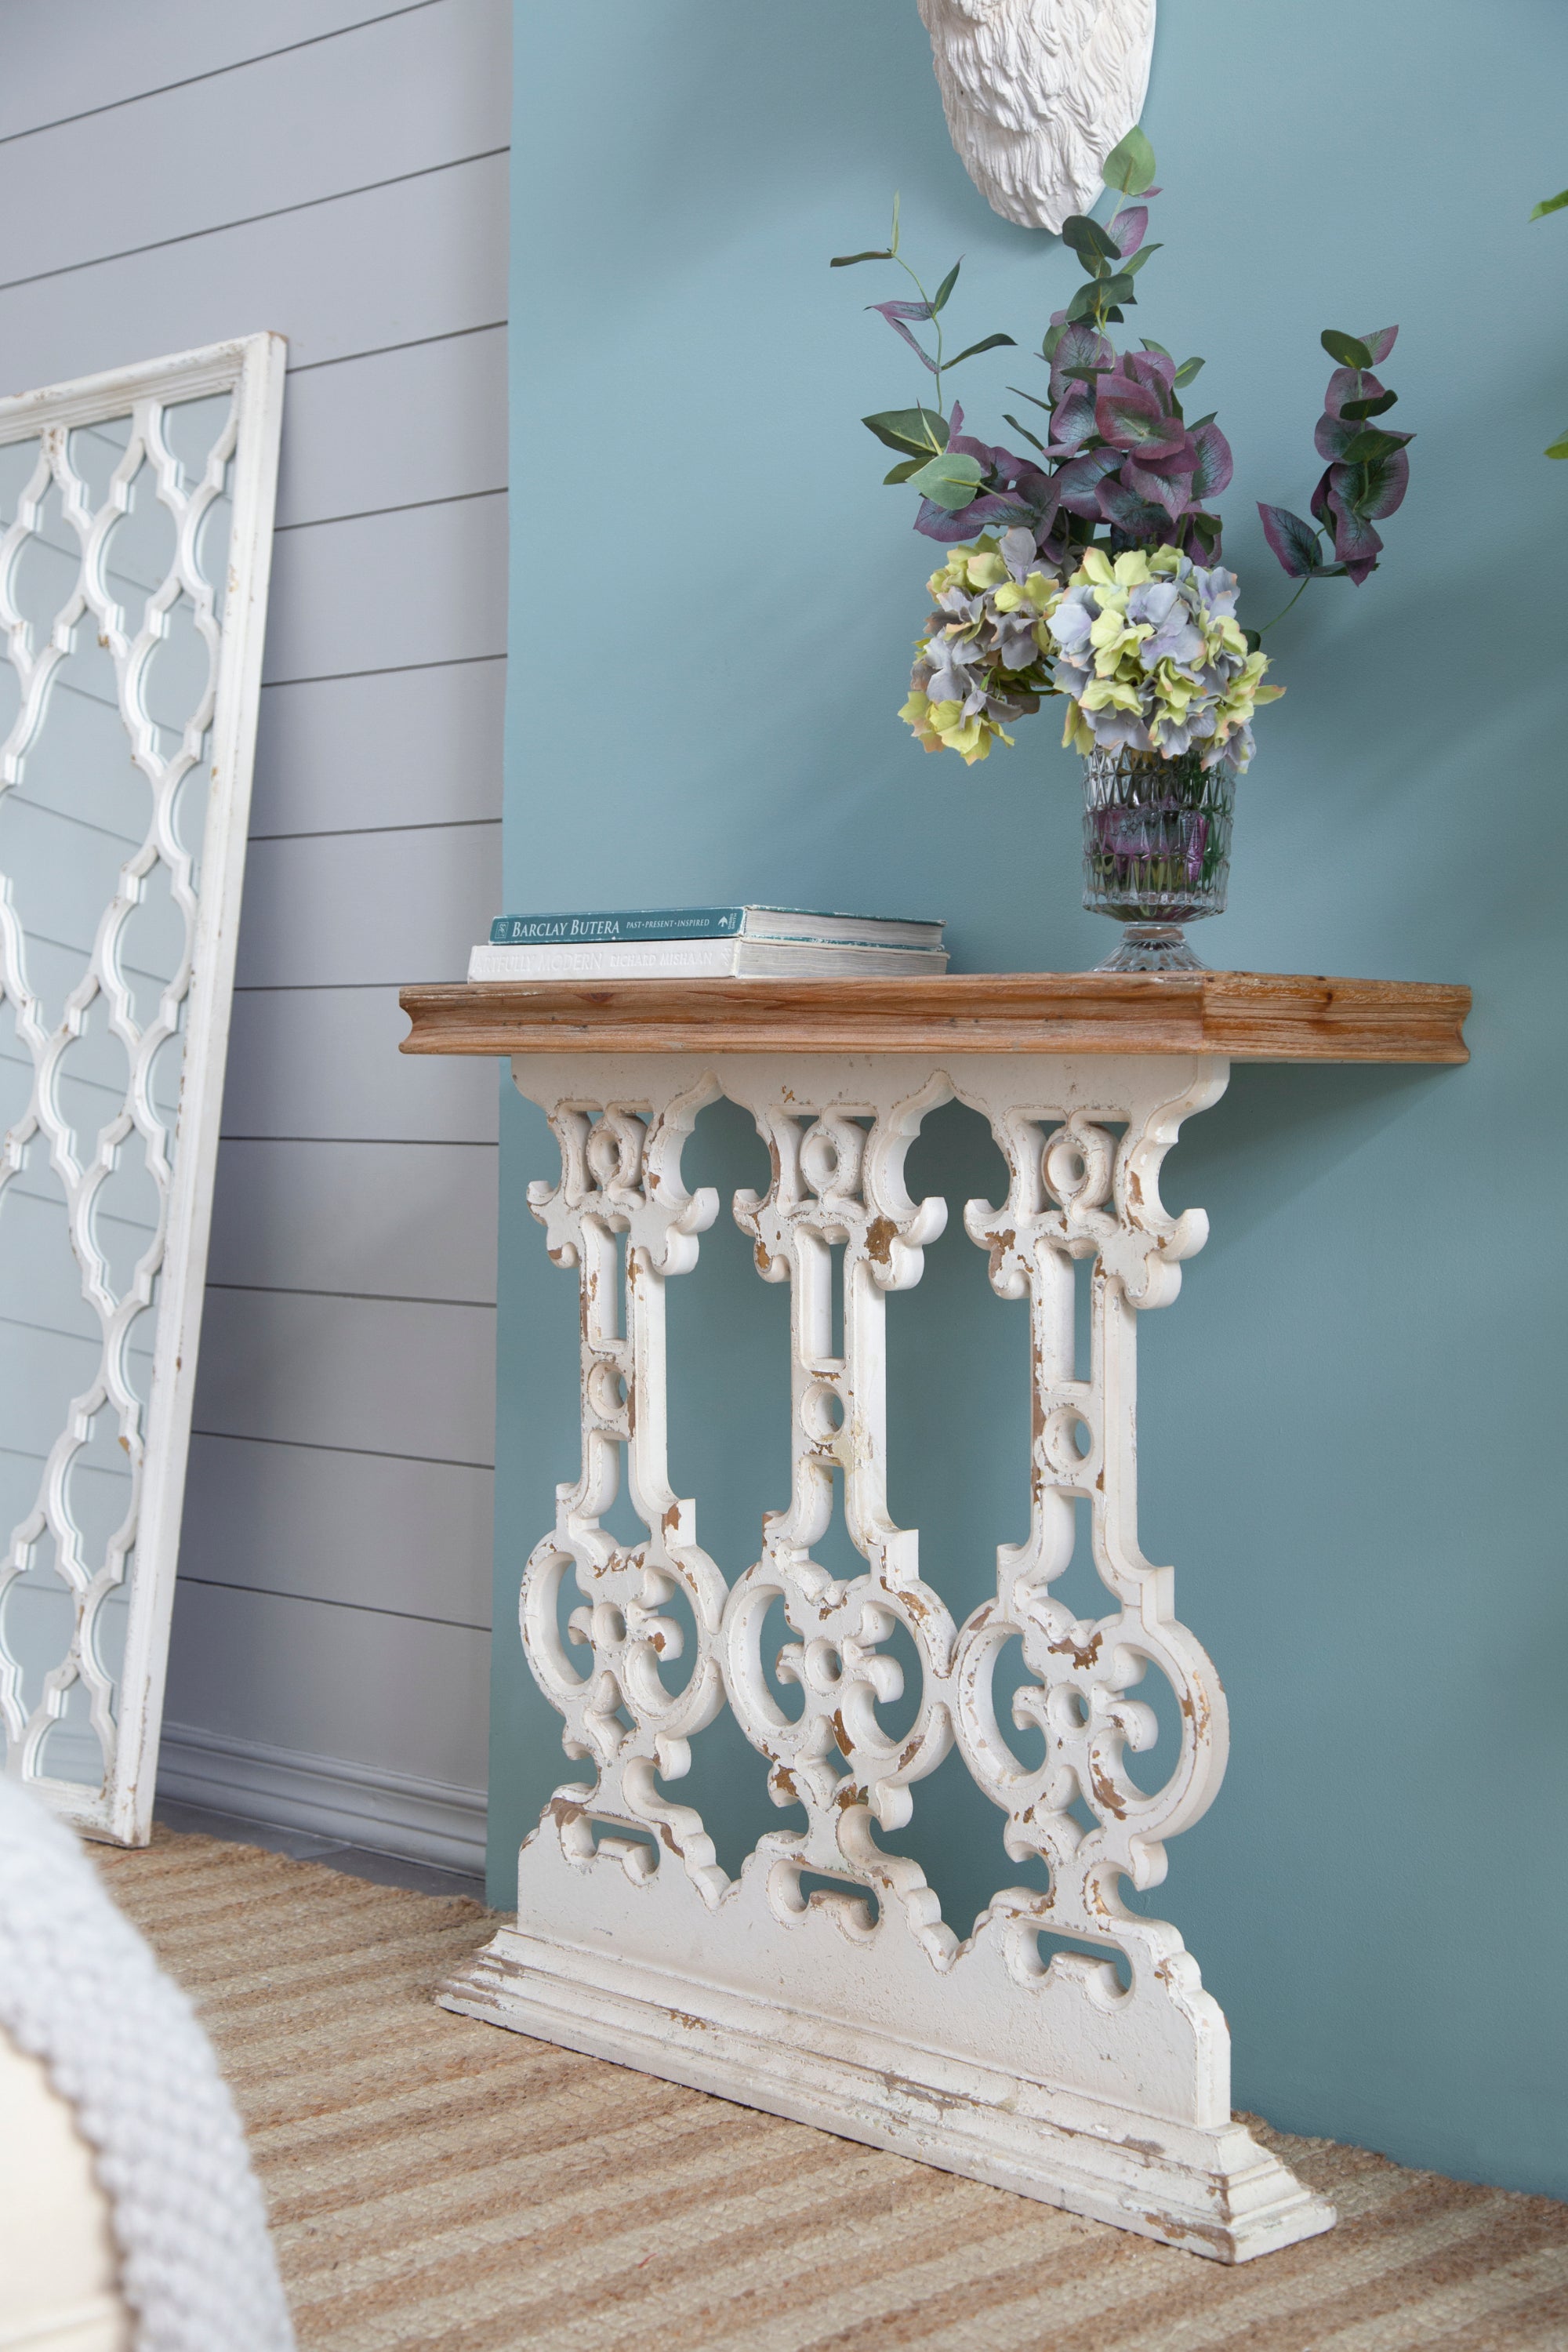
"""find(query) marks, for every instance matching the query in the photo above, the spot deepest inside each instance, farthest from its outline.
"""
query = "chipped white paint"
(853, 2005)
(226, 616)
(1037, 92)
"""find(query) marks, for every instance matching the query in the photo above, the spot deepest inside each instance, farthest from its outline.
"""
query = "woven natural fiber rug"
(439, 2183)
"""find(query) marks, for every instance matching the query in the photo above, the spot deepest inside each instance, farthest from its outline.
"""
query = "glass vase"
(1157, 851)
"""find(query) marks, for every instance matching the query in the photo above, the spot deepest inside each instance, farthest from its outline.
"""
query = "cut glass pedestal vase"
(1157, 851)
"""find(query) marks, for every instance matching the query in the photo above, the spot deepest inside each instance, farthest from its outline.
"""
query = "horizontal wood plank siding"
(324, 1062)
(343, 753)
(360, 1219)
(288, 1666)
(404, 262)
(340, 909)
(336, 172)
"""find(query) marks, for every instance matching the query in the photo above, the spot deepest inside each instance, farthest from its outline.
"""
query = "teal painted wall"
(1353, 1416)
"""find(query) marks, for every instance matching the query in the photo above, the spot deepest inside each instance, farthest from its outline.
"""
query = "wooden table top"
(1242, 1016)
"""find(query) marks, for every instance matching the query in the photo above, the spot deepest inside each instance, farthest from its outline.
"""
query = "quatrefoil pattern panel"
(1083, 1145)
(134, 526)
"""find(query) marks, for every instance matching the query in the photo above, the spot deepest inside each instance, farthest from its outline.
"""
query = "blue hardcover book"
(777, 924)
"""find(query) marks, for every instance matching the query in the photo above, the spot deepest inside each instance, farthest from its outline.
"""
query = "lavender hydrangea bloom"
(1149, 651)
(983, 657)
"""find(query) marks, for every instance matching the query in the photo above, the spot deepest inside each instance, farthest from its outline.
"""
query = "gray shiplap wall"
(173, 174)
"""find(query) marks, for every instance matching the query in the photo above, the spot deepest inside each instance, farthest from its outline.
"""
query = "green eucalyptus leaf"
(1369, 446)
(1030, 398)
(1551, 205)
(1089, 240)
(1150, 345)
(1135, 261)
(938, 299)
(905, 472)
(1129, 166)
(1084, 304)
(1117, 288)
(848, 260)
(1558, 449)
(1349, 350)
(1023, 429)
(989, 343)
(1358, 411)
(1053, 336)
(1188, 373)
(920, 430)
(1115, 315)
(950, 480)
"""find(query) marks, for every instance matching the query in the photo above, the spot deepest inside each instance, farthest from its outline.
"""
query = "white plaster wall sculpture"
(135, 543)
(1037, 92)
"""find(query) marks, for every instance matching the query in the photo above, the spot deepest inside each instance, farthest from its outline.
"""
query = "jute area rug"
(439, 2183)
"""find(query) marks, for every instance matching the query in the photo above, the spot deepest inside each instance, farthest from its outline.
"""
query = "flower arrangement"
(1105, 584)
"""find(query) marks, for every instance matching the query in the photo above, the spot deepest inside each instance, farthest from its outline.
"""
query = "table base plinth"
(853, 2062)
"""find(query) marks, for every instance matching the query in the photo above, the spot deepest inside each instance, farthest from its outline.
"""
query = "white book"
(739, 959)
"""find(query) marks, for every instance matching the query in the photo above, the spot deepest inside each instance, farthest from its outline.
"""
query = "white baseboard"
(358, 1804)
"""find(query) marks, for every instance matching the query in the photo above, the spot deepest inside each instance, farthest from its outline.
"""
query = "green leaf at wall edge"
(1031, 438)
(1358, 411)
(1129, 166)
(1558, 449)
(950, 480)
(1187, 372)
(1369, 446)
(1135, 263)
(1349, 350)
(989, 343)
(848, 260)
(905, 472)
(918, 431)
(1089, 240)
(938, 299)
(1551, 205)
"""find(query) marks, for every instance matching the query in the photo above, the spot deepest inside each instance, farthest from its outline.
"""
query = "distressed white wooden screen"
(136, 512)
(1065, 2046)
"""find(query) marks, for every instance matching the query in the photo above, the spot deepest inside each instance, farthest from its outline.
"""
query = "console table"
(1092, 2071)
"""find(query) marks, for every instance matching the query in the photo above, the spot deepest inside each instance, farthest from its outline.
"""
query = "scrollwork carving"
(621, 1176)
(1076, 1192)
(839, 1185)
(1079, 1194)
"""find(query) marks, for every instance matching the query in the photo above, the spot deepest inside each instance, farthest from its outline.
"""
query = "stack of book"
(708, 943)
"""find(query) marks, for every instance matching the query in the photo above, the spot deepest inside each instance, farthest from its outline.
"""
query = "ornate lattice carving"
(1039, 2069)
(149, 968)
(1078, 1193)
(620, 1180)
(839, 1185)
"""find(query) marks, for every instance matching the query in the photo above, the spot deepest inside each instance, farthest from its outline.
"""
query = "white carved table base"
(869, 2018)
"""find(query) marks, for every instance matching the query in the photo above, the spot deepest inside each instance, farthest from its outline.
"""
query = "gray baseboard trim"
(353, 1804)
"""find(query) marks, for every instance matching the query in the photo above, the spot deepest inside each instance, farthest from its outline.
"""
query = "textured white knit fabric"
(80, 1989)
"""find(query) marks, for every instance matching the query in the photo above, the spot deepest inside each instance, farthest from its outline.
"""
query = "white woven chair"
(129, 2219)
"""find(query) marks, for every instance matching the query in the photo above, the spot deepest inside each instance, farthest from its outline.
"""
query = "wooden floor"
(439, 2185)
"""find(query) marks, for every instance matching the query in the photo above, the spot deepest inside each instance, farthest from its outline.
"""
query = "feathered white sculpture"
(1037, 92)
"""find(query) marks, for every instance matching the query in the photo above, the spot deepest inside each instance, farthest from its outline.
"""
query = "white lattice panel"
(136, 511)
(1065, 2046)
